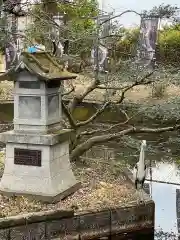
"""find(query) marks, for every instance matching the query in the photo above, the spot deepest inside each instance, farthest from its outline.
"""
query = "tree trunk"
(85, 146)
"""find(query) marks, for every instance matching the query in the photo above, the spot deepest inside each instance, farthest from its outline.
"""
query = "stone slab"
(33, 217)
(40, 139)
(43, 198)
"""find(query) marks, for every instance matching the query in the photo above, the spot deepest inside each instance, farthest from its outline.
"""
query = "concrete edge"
(45, 199)
(32, 138)
(35, 217)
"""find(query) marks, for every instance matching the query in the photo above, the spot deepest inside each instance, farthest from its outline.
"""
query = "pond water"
(166, 197)
(163, 153)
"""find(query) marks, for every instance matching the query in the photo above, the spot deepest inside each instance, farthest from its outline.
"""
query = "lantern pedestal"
(38, 166)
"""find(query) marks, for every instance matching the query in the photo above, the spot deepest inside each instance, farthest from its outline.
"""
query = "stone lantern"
(37, 150)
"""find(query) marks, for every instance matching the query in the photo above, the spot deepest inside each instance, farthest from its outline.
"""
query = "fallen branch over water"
(83, 147)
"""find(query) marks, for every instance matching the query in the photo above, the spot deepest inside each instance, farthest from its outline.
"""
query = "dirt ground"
(103, 186)
(137, 94)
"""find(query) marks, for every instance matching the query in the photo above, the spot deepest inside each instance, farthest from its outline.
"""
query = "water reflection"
(167, 199)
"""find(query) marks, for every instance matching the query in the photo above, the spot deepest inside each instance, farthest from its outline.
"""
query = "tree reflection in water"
(160, 235)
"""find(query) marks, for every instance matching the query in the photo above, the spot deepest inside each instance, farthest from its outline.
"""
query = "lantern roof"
(42, 64)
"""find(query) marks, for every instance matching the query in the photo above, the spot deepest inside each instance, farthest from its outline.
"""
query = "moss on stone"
(46, 66)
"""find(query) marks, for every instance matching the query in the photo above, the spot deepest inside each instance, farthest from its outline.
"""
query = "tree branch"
(94, 85)
(100, 131)
(79, 98)
(136, 83)
(87, 133)
(68, 92)
(114, 88)
(94, 116)
(69, 116)
(83, 147)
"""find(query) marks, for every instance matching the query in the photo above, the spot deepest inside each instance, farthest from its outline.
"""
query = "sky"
(131, 19)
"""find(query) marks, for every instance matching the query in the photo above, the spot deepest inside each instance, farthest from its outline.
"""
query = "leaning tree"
(79, 28)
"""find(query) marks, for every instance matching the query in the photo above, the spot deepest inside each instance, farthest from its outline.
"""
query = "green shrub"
(168, 50)
(169, 45)
(126, 47)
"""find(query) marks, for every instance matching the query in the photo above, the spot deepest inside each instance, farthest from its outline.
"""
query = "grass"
(103, 186)
(159, 90)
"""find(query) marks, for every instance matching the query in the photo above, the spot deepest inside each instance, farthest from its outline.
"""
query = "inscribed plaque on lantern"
(27, 157)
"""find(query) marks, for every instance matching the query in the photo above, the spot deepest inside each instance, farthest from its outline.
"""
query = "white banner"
(147, 41)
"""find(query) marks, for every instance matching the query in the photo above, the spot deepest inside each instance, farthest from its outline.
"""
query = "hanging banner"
(102, 55)
(9, 54)
(102, 49)
(105, 32)
(147, 41)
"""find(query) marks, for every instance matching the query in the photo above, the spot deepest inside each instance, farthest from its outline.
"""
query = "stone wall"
(68, 225)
